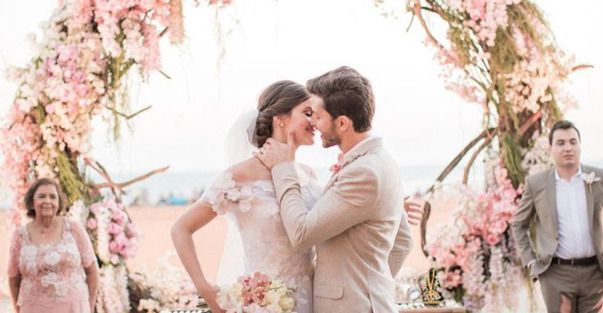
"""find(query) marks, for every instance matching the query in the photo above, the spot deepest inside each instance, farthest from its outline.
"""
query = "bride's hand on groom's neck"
(274, 152)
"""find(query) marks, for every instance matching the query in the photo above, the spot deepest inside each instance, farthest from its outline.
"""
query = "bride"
(245, 193)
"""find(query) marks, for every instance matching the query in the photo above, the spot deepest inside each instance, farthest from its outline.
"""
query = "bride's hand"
(209, 294)
(274, 152)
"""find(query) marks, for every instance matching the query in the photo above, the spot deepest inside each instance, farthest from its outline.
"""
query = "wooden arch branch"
(118, 186)
(487, 135)
(479, 149)
(581, 67)
(127, 116)
(416, 9)
(484, 134)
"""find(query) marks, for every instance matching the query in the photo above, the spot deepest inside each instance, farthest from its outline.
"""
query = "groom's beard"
(330, 138)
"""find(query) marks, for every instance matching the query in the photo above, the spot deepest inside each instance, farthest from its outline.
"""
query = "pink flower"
(122, 240)
(92, 223)
(498, 227)
(115, 229)
(114, 247)
(131, 231)
(95, 208)
(492, 239)
(118, 217)
(337, 166)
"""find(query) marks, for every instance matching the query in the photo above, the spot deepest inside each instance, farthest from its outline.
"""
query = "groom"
(359, 226)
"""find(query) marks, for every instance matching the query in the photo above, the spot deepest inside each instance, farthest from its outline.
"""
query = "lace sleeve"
(83, 244)
(13, 254)
(224, 195)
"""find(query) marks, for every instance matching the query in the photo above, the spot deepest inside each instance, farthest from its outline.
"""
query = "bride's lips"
(310, 130)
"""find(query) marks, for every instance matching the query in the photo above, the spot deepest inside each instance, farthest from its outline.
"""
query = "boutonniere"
(337, 166)
(590, 179)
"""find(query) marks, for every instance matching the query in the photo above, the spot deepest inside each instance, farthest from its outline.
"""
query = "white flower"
(287, 303)
(72, 249)
(233, 194)
(246, 192)
(29, 253)
(31, 268)
(52, 258)
(589, 179)
(230, 297)
(224, 181)
(49, 279)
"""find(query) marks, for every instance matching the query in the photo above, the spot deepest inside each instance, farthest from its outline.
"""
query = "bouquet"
(256, 294)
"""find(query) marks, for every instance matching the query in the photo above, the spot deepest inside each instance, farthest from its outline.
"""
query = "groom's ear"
(344, 123)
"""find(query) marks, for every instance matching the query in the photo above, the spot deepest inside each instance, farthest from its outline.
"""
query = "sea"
(181, 188)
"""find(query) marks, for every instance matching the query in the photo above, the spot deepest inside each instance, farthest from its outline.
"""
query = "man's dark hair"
(346, 92)
(563, 124)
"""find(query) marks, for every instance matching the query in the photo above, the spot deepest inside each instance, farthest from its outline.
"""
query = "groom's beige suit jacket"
(539, 200)
(359, 227)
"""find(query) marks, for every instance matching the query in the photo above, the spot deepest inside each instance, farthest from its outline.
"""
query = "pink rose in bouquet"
(256, 293)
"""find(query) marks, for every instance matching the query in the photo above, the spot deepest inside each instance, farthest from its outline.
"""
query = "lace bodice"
(255, 211)
(51, 273)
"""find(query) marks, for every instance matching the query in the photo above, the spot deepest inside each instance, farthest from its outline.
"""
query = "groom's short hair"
(345, 92)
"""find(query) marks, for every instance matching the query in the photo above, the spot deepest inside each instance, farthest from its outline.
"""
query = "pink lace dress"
(52, 275)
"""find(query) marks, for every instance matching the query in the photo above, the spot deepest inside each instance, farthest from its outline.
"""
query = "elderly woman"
(52, 266)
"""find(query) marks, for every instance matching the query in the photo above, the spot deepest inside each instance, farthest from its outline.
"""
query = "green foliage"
(72, 182)
(512, 159)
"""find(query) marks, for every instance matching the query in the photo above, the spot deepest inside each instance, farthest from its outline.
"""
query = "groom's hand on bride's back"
(274, 152)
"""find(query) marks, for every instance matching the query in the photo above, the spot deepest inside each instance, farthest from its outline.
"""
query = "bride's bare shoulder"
(249, 170)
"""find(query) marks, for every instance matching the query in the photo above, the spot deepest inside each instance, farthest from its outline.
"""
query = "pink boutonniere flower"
(337, 166)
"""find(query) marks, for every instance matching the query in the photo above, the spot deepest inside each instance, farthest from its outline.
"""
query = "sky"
(263, 41)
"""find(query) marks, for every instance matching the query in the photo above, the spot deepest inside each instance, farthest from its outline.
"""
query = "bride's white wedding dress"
(253, 208)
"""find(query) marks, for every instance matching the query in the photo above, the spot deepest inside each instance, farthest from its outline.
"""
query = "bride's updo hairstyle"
(277, 99)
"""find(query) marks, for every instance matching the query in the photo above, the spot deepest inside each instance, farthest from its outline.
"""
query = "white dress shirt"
(574, 228)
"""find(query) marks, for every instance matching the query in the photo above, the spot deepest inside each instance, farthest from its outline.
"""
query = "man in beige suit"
(359, 226)
(567, 253)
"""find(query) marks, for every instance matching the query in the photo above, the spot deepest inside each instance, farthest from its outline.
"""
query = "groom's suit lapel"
(590, 200)
(551, 198)
(356, 152)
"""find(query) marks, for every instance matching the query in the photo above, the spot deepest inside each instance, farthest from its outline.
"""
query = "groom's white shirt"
(359, 227)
